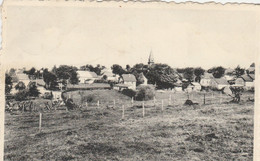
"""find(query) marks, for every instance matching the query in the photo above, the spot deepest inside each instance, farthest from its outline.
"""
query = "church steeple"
(151, 59)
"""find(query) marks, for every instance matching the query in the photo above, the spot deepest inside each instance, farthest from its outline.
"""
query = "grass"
(204, 132)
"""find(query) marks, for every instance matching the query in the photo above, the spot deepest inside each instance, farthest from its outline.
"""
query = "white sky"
(76, 37)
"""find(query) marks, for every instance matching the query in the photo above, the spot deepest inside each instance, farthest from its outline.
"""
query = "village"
(186, 111)
(186, 80)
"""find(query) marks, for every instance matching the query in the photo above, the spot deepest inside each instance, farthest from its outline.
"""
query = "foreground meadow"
(214, 131)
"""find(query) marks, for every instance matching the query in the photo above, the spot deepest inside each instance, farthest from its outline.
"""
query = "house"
(110, 76)
(246, 80)
(206, 80)
(20, 77)
(251, 70)
(128, 80)
(144, 78)
(87, 77)
(219, 83)
(193, 86)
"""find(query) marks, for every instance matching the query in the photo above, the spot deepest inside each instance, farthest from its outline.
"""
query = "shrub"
(145, 93)
(89, 98)
(129, 92)
(21, 95)
(48, 95)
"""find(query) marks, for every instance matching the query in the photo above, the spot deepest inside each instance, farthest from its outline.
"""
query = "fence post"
(123, 111)
(170, 100)
(143, 108)
(86, 104)
(204, 98)
(162, 105)
(98, 103)
(220, 97)
(154, 101)
(40, 121)
(132, 101)
(114, 101)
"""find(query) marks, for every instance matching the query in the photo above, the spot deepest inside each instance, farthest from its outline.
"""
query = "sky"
(43, 37)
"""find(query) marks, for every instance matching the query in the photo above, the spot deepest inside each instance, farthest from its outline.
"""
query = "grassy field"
(215, 131)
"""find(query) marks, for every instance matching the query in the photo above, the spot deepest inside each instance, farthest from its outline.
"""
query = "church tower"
(151, 59)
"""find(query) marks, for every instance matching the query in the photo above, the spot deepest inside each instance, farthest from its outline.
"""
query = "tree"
(162, 75)
(239, 71)
(128, 68)
(198, 72)
(188, 74)
(8, 83)
(67, 73)
(31, 72)
(217, 72)
(20, 86)
(32, 90)
(117, 69)
(49, 78)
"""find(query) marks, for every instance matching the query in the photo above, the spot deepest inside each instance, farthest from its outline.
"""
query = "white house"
(206, 80)
(87, 77)
(246, 80)
(110, 76)
(219, 83)
(128, 80)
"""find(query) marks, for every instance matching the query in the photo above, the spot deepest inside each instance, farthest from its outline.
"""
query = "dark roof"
(252, 76)
(251, 69)
(129, 78)
(222, 81)
(246, 78)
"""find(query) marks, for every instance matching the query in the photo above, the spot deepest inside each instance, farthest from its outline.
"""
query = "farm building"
(144, 78)
(251, 70)
(21, 77)
(206, 80)
(246, 80)
(219, 83)
(110, 76)
(194, 86)
(128, 80)
(87, 77)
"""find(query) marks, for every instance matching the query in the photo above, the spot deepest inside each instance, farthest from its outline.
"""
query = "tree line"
(162, 75)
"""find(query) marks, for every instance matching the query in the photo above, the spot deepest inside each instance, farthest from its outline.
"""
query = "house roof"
(129, 78)
(195, 83)
(221, 81)
(87, 74)
(20, 77)
(229, 71)
(207, 76)
(108, 73)
(251, 69)
(252, 76)
(246, 78)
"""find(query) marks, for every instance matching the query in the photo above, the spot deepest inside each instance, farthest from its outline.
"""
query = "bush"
(21, 95)
(48, 95)
(129, 92)
(145, 93)
(89, 98)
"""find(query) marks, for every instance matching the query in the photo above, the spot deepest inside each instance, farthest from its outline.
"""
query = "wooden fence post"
(132, 101)
(143, 108)
(123, 111)
(98, 103)
(40, 121)
(204, 98)
(162, 105)
(154, 103)
(170, 100)
(114, 101)
(220, 97)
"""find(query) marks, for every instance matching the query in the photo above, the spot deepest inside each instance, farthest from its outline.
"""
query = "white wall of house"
(131, 84)
(205, 82)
